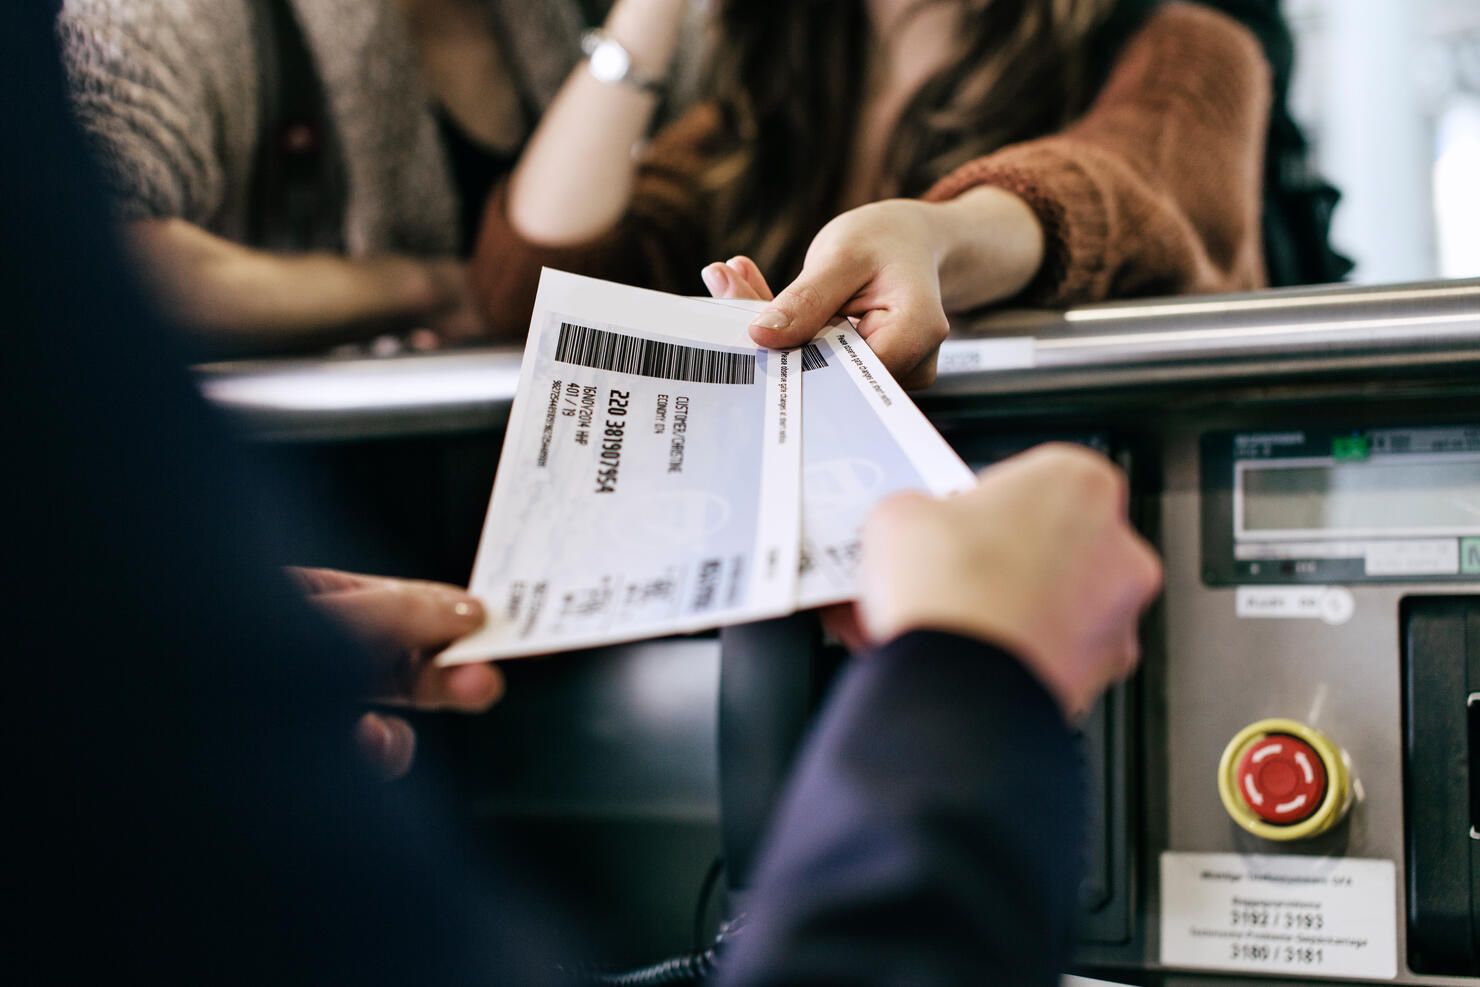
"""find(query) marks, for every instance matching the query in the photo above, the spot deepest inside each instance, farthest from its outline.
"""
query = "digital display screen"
(1282, 497)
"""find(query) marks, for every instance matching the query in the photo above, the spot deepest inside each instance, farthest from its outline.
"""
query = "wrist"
(608, 61)
(1007, 636)
(648, 30)
(413, 286)
(1068, 699)
(989, 246)
(1004, 613)
(447, 285)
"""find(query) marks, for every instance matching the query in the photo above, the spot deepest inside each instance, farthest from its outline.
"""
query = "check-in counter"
(1282, 793)
(1262, 337)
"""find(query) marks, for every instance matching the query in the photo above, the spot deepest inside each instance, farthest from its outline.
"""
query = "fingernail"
(714, 279)
(468, 609)
(772, 318)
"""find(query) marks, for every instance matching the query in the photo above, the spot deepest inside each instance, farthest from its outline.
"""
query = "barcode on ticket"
(603, 350)
(812, 358)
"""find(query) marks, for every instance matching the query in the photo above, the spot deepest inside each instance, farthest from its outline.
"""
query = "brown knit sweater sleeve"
(661, 242)
(1156, 190)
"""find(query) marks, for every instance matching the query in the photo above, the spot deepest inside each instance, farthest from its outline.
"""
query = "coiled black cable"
(686, 968)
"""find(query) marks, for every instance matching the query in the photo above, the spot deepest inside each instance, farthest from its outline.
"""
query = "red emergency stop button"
(1281, 779)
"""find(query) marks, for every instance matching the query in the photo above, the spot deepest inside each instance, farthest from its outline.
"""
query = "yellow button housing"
(1333, 806)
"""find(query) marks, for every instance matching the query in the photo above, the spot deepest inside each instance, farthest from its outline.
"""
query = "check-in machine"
(1283, 793)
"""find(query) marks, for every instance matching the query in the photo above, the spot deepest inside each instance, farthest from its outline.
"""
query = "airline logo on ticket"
(649, 480)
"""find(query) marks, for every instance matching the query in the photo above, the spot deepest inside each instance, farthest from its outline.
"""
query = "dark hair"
(788, 79)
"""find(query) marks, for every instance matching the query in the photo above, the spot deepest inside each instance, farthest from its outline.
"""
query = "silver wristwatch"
(609, 61)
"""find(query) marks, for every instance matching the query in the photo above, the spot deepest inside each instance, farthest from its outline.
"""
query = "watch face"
(609, 62)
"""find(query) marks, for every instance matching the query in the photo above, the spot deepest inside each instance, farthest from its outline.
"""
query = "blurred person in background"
(901, 161)
(298, 173)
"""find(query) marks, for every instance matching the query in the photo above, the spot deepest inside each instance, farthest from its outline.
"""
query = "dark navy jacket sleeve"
(185, 801)
(930, 834)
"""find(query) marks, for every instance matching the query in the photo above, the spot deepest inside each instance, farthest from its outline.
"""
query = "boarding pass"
(863, 439)
(654, 466)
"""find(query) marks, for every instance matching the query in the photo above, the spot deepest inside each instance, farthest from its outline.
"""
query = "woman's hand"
(403, 623)
(877, 263)
(739, 277)
(456, 319)
(899, 266)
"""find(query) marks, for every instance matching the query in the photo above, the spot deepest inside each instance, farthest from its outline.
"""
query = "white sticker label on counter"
(1316, 916)
(964, 356)
(1413, 557)
(1333, 604)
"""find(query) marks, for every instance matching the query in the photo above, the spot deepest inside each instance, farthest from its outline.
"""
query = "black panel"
(1105, 895)
(1441, 649)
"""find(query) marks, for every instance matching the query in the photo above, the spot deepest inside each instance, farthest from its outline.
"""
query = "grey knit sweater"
(169, 92)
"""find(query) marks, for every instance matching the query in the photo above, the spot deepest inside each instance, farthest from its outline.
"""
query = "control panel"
(1283, 794)
(1307, 811)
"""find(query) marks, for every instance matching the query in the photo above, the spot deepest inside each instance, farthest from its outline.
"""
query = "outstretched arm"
(653, 244)
(1154, 191)
(179, 136)
(574, 181)
(930, 833)
(582, 199)
(237, 298)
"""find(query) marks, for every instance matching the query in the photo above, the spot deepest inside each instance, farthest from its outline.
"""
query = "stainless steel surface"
(343, 397)
(1262, 336)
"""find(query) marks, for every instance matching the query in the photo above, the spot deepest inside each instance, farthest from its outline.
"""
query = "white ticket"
(649, 482)
(863, 439)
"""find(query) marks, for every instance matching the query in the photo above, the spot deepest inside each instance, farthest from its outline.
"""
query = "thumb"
(805, 306)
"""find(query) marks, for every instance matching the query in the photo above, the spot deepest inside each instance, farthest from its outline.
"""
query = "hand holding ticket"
(656, 476)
